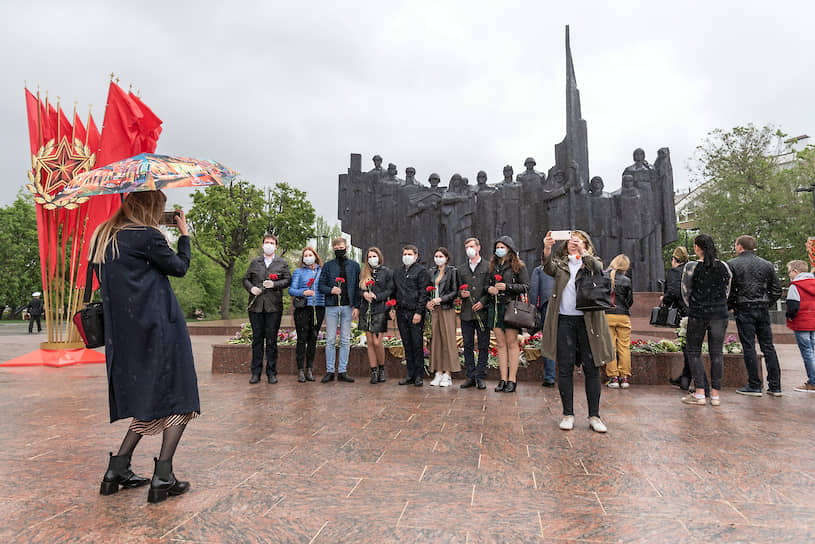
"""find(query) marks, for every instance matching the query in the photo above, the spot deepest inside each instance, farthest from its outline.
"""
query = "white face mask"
(268, 249)
(373, 261)
(500, 252)
(407, 260)
(471, 252)
(308, 260)
(439, 260)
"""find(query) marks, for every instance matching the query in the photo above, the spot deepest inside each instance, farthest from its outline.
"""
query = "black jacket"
(477, 282)
(706, 289)
(517, 282)
(383, 288)
(35, 307)
(270, 300)
(448, 286)
(623, 295)
(755, 283)
(673, 290)
(411, 288)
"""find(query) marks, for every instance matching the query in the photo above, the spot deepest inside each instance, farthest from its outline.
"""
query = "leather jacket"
(755, 283)
(448, 286)
(623, 294)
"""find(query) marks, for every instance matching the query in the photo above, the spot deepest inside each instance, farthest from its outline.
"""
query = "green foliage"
(19, 252)
(289, 216)
(323, 234)
(744, 191)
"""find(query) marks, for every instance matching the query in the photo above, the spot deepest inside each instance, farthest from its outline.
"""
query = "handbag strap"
(88, 284)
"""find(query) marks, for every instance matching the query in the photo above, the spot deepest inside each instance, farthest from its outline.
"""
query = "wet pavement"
(381, 463)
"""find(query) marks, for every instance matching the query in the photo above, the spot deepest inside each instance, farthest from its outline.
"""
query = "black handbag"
(663, 316)
(593, 292)
(90, 320)
(520, 315)
(299, 302)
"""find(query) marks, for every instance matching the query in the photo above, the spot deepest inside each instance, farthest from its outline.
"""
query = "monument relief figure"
(508, 218)
(529, 238)
(665, 189)
(487, 205)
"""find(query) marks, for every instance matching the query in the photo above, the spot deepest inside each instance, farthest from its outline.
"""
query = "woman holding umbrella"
(151, 375)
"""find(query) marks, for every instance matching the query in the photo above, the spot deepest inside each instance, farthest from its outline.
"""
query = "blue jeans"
(806, 344)
(548, 370)
(755, 323)
(337, 316)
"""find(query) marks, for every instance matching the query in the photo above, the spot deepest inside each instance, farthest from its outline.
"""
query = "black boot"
(381, 374)
(301, 376)
(329, 377)
(500, 386)
(119, 474)
(164, 482)
(509, 387)
(343, 377)
(374, 375)
(309, 374)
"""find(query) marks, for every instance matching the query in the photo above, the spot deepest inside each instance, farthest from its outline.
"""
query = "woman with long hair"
(570, 334)
(309, 311)
(376, 285)
(509, 280)
(619, 322)
(443, 347)
(151, 373)
(705, 288)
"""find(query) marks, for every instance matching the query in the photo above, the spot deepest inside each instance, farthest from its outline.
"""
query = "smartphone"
(169, 218)
(561, 234)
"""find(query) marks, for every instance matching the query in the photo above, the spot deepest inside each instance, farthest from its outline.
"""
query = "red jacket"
(804, 319)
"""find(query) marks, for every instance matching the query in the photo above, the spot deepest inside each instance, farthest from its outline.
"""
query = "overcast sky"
(285, 93)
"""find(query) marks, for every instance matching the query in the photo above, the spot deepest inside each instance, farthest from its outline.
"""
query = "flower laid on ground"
(391, 341)
(243, 336)
(533, 341)
(682, 332)
(732, 344)
(650, 346)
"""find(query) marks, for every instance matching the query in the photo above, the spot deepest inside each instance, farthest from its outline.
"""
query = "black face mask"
(339, 253)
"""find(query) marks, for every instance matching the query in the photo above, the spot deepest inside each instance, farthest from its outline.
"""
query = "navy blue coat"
(151, 372)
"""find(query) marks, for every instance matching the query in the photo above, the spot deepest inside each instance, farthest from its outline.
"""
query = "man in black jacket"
(475, 274)
(34, 312)
(755, 288)
(411, 281)
(266, 279)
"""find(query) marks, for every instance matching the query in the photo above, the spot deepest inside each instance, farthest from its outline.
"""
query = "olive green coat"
(602, 347)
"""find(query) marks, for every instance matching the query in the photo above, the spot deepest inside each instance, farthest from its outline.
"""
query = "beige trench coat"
(602, 347)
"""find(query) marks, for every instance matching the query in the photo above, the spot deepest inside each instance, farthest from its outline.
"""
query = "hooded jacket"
(517, 282)
(801, 303)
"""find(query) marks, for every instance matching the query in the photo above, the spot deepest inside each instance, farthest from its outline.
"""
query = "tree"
(225, 222)
(745, 191)
(19, 252)
(289, 216)
(323, 234)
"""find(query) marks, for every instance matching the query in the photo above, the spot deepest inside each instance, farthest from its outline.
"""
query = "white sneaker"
(446, 381)
(567, 423)
(436, 379)
(597, 425)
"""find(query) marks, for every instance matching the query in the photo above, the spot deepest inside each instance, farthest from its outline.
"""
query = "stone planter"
(646, 368)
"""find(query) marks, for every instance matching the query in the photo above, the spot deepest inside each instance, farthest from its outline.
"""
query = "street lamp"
(810, 189)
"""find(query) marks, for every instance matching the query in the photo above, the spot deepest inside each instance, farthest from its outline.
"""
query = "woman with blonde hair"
(376, 285)
(151, 373)
(309, 311)
(619, 322)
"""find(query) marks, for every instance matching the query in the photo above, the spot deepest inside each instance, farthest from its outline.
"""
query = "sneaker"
(624, 383)
(714, 401)
(806, 388)
(567, 423)
(436, 379)
(693, 399)
(446, 381)
(775, 392)
(614, 383)
(597, 425)
(749, 391)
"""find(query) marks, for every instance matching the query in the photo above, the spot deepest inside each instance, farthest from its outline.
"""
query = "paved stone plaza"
(361, 463)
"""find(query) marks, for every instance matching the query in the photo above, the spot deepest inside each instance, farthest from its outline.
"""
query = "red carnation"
(463, 287)
(340, 280)
(310, 282)
(369, 283)
(272, 276)
(391, 303)
(498, 277)
(429, 288)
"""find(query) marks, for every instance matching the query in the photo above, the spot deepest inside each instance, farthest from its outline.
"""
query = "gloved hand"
(268, 284)
(255, 290)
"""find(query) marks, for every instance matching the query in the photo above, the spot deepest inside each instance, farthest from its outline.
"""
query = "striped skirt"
(157, 426)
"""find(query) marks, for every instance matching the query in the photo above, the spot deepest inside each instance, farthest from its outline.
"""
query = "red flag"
(120, 127)
(149, 127)
(32, 108)
(79, 129)
(93, 137)
(65, 128)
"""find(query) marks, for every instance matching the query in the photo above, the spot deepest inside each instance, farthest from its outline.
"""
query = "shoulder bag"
(90, 320)
(593, 292)
(520, 314)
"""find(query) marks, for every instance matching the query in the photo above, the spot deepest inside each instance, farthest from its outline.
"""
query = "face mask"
(308, 261)
(407, 260)
(439, 260)
(339, 253)
(471, 253)
(373, 261)
(268, 249)
(500, 252)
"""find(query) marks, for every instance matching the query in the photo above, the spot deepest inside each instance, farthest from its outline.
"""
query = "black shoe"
(468, 383)
(676, 382)
(509, 387)
(547, 383)
(272, 378)
(343, 377)
(255, 378)
(119, 474)
(418, 382)
(309, 374)
(329, 377)
(381, 374)
(480, 383)
(406, 381)
(164, 482)
(684, 383)
(500, 386)
(374, 375)
(301, 376)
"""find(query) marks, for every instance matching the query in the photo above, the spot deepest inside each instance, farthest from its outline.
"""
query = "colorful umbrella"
(146, 172)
